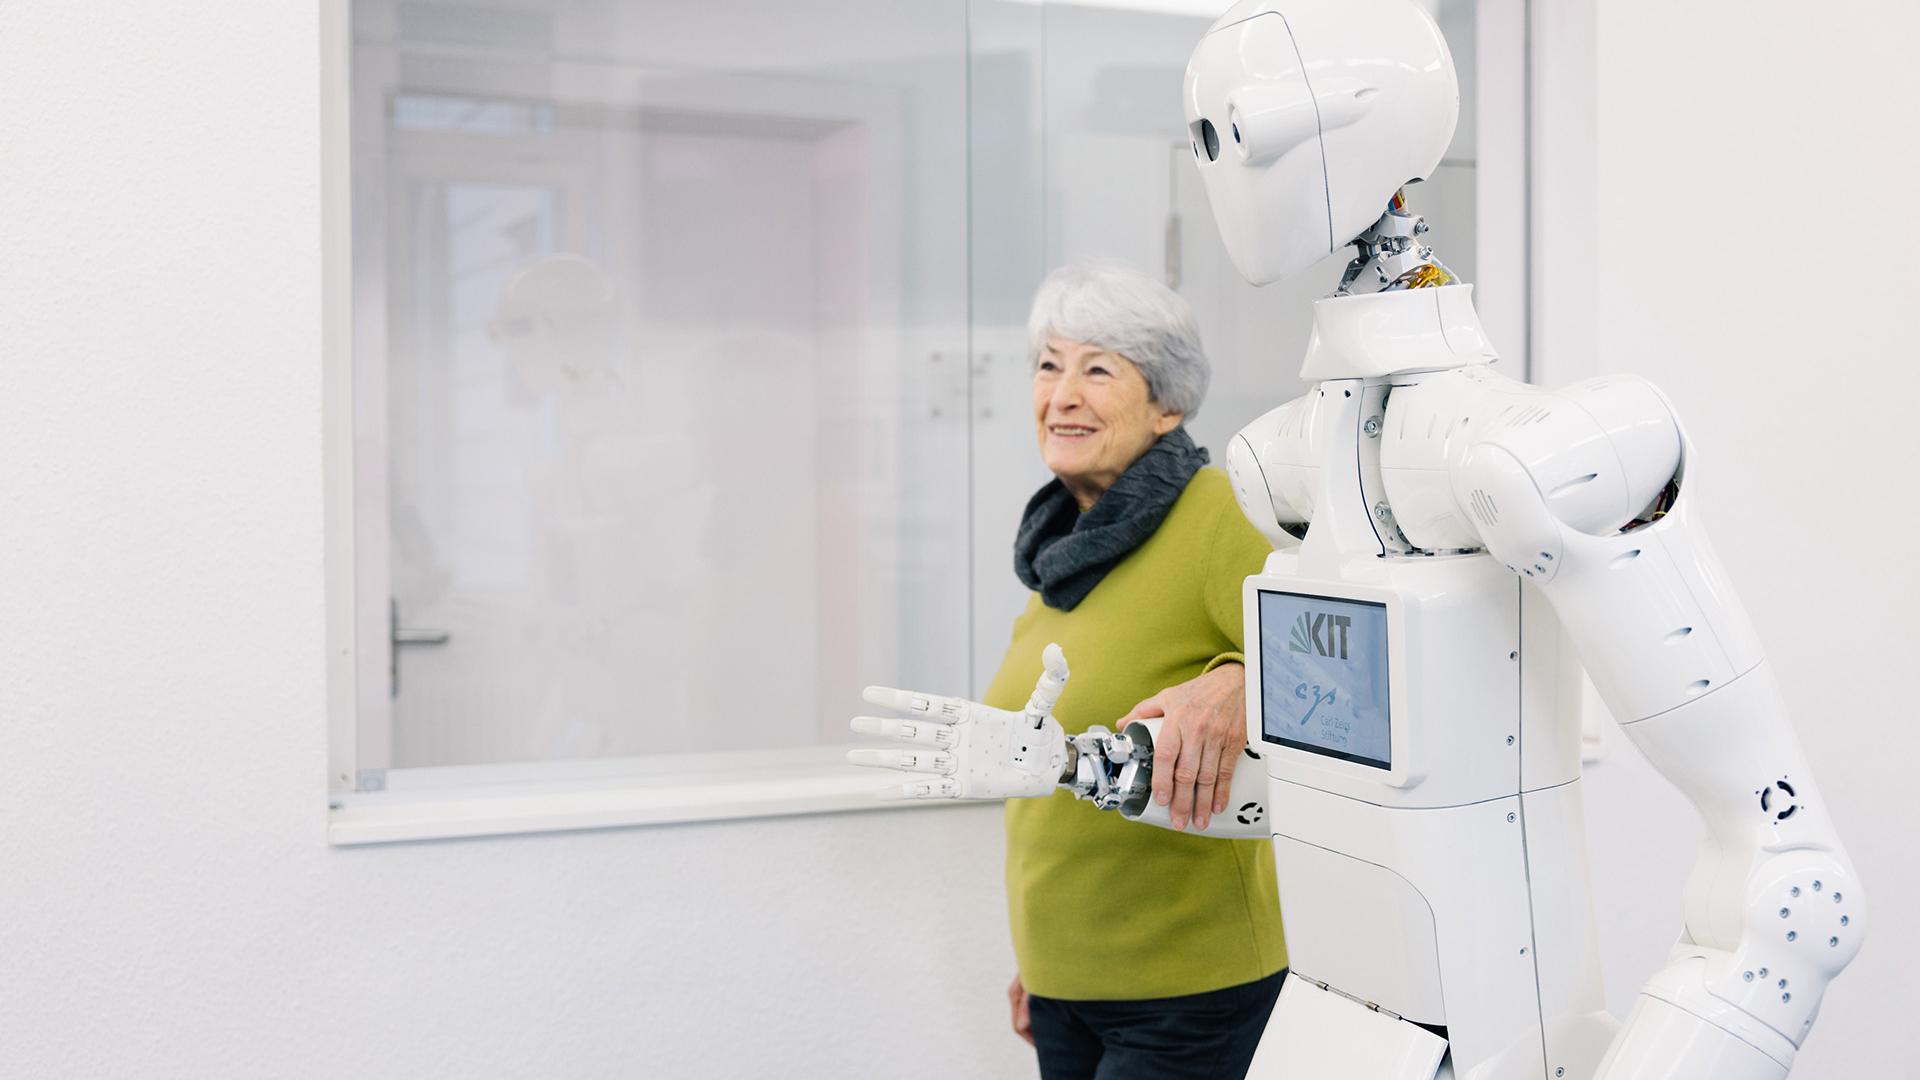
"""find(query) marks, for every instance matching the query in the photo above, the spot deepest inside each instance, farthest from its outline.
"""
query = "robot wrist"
(1112, 770)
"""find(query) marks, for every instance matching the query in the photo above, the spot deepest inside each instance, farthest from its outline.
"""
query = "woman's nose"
(1066, 392)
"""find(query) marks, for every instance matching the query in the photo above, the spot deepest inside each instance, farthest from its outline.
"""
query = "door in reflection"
(668, 466)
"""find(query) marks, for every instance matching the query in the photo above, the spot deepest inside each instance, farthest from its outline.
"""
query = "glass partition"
(690, 380)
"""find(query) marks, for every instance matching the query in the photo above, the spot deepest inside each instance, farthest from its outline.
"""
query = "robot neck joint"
(1391, 255)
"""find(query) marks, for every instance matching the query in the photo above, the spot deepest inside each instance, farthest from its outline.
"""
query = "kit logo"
(1320, 634)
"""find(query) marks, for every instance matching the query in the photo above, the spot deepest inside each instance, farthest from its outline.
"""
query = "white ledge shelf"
(504, 800)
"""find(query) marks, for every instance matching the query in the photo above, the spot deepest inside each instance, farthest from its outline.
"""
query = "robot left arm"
(1580, 491)
(962, 749)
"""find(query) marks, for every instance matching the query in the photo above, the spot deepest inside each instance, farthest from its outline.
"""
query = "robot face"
(1251, 118)
(1307, 115)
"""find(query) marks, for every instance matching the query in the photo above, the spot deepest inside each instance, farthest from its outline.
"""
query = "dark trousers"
(1208, 1036)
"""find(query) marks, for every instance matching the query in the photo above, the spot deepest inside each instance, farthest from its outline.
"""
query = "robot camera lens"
(1211, 138)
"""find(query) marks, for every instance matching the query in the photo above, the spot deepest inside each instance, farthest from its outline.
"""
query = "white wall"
(170, 905)
(1719, 192)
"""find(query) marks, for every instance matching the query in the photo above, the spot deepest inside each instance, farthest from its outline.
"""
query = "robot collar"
(1387, 333)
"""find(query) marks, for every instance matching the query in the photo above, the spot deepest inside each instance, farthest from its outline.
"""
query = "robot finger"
(917, 732)
(1054, 660)
(919, 761)
(943, 788)
(1046, 692)
(945, 710)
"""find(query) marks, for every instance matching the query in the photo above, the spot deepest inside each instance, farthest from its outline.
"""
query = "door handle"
(398, 636)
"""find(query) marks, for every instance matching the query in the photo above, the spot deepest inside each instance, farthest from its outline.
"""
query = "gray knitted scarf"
(1062, 553)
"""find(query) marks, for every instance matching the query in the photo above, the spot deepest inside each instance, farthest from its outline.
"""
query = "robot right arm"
(1586, 493)
(959, 749)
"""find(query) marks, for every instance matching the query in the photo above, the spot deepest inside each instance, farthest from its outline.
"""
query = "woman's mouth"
(1068, 431)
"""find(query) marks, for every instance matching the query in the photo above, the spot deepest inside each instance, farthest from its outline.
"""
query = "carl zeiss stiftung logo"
(1320, 634)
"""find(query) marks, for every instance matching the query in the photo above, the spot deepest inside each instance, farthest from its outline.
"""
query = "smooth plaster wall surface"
(171, 907)
(1714, 217)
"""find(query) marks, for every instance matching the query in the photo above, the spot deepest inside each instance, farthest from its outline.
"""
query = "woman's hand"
(1022, 1020)
(1199, 743)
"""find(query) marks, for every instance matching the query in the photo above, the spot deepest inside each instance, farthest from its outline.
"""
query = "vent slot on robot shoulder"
(1484, 508)
(1514, 416)
(1578, 481)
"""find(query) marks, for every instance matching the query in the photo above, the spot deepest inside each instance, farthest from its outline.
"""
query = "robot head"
(1307, 115)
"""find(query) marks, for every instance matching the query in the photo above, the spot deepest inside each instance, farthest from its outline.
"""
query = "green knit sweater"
(1104, 908)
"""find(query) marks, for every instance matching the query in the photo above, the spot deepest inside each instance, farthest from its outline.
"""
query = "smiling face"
(1094, 416)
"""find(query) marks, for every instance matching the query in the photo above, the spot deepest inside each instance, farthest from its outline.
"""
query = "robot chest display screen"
(1323, 676)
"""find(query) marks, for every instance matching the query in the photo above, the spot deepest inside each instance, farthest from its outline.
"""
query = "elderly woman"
(1142, 952)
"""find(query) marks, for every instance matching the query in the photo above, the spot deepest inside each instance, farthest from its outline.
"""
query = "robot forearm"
(1773, 909)
(972, 751)
(1114, 771)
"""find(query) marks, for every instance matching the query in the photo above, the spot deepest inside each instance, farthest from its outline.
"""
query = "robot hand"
(975, 750)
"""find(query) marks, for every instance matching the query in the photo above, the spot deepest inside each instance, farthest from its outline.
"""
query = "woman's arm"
(1199, 743)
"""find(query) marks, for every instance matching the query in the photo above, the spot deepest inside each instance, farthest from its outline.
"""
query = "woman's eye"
(1098, 370)
(1048, 365)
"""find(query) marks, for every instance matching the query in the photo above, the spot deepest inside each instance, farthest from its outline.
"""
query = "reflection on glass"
(671, 298)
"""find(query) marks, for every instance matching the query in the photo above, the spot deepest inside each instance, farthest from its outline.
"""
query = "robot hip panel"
(1427, 913)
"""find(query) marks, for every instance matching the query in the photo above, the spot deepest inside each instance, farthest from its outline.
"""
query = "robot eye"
(1211, 138)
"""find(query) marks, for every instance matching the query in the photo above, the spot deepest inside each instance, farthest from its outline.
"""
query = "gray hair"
(1124, 311)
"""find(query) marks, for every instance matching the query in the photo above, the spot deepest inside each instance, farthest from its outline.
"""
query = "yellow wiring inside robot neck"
(1424, 277)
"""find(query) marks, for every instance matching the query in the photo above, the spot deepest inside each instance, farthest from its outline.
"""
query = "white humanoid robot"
(1435, 526)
